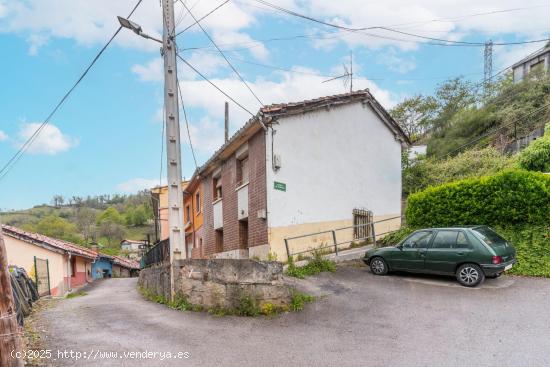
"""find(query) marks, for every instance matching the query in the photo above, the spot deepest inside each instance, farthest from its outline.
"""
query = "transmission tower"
(488, 67)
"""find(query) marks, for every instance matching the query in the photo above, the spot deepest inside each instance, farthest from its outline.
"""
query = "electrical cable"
(187, 124)
(223, 55)
(15, 158)
(204, 16)
(214, 85)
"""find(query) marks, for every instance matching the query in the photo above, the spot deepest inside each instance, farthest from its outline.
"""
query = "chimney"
(95, 248)
(226, 122)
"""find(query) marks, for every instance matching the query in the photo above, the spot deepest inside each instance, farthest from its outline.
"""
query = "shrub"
(394, 237)
(536, 157)
(299, 300)
(315, 266)
(247, 306)
(508, 198)
(532, 244)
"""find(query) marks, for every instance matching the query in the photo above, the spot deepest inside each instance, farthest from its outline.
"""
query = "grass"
(76, 294)
(247, 305)
(314, 266)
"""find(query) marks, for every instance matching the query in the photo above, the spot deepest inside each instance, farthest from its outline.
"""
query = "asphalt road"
(396, 320)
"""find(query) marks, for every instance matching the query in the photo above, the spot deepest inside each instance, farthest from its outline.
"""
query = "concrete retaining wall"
(220, 282)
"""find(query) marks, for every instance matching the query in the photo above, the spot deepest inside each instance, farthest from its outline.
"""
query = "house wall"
(196, 219)
(83, 272)
(332, 161)
(520, 71)
(99, 266)
(21, 253)
(257, 227)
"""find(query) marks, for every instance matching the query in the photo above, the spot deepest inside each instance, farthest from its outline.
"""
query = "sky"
(107, 138)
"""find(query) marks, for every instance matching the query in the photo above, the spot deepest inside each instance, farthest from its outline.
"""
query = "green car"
(469, 253)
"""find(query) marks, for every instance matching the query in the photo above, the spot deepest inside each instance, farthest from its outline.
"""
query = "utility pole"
(351, 71)
(488, 66)
(10, 339)
(173, 145)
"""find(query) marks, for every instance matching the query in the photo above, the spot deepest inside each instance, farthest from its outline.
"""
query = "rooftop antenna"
(348, 74)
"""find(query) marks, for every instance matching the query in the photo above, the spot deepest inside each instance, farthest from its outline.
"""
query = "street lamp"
(136, 28)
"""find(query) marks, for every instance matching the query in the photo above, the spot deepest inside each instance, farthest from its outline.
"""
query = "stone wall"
(156, 279)
(220, 282)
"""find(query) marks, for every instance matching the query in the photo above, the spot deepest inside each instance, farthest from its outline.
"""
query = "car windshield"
(489, 236)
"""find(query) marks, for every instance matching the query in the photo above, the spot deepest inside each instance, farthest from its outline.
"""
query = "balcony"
(218, 214)
(242, 201)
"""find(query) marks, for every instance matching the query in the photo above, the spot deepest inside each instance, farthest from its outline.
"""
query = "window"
(217, 188)
(462, 241)
(187, 213)
(243, 172)
(489, 236)
(198, 202)
(445, 239)
(418, 240)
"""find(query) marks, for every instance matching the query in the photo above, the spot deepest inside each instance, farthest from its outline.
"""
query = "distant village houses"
(294, 168)
(57, 266)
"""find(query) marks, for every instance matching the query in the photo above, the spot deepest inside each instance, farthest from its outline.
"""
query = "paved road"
(397, 320)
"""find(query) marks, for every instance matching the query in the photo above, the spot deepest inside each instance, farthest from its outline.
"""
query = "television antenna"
(347, 76)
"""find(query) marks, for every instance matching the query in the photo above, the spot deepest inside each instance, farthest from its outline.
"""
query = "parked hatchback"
(469, 253)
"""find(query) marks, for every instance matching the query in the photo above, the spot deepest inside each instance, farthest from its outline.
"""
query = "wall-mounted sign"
(279, 186)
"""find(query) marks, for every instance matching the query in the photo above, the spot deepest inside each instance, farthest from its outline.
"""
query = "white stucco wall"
(333, 161)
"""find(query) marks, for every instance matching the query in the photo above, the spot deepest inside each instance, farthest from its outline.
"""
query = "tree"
(112, 231)
(415, 115)
(85, 220)
(56, 227)
(58, 200)
(110, 215)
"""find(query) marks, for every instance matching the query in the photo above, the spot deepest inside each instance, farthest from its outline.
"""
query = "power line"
(440, 42)
(187, 125)
(15, 158)
(223, 55)
(214, 85)
(204, 16)
(497, 129)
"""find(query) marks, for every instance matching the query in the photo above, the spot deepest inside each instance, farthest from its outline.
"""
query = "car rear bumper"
(492, 269)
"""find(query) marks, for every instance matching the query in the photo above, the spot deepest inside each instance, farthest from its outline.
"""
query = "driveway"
(396, 320)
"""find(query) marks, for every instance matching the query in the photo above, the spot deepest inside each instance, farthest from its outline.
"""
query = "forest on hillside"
(103, 219)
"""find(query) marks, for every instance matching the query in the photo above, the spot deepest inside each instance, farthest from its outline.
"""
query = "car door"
(449, 247)
(412, 252)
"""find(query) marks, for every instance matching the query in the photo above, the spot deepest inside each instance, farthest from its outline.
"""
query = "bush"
(508, 198)
(532, 244)
(536, 157)
(299, 300)
(395, 237)
(314, 266)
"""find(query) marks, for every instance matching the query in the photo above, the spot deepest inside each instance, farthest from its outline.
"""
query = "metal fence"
(363, 228)
(158, 254)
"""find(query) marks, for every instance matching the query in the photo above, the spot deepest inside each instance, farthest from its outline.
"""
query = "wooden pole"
(10, 340)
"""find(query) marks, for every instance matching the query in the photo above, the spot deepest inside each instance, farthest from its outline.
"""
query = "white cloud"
(136, 184)
(3, 136)
(151, 71)
(50, 140)
(395, 63)
(35, 42)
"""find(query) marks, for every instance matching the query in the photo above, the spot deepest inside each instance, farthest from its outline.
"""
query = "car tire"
(378, 266)
(470, 275)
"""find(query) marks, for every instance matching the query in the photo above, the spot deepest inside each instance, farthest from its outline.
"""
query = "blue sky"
(107, 136)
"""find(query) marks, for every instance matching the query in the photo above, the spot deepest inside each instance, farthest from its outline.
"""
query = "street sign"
(279, 186)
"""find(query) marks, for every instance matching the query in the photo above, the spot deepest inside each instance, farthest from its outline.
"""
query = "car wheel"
(469, 275)
(378, 266)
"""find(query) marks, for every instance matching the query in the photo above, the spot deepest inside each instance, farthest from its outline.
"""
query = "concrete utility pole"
(173, 145)
(10, 340)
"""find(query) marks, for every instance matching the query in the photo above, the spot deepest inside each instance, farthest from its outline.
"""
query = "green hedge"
(536, 157)
(509, 198)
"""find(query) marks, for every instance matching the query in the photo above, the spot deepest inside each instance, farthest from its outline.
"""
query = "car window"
(418, 240)
(489, 236)
(462, 241)
(445, 239)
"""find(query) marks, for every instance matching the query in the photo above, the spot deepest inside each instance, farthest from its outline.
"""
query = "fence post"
(373, 235)
(287, 251)
(335, 243)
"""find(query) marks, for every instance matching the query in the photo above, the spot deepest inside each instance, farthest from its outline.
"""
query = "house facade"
(298, 168)
(57, 266)
(538, 60)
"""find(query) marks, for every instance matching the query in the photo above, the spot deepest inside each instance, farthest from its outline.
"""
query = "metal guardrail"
(335, 243)
(158, 254)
